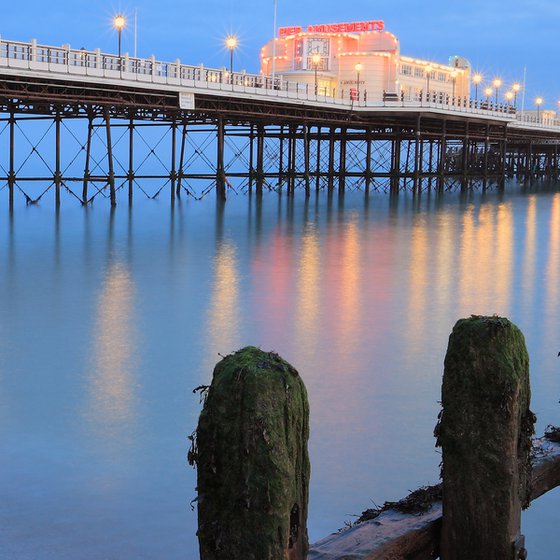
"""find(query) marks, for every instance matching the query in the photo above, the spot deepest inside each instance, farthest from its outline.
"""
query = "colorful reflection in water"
(110, 320)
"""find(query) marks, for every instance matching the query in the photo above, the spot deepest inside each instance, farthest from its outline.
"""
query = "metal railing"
(65, 60)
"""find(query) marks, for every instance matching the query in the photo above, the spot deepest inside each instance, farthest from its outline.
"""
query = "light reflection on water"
(112, 382)
(109, 320)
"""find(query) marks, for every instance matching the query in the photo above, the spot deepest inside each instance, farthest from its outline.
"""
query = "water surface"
(108, 320)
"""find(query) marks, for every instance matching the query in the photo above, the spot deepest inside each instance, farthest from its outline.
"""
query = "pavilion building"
(360, 59)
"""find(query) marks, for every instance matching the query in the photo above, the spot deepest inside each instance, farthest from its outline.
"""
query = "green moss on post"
(252, 461)
(485, 435)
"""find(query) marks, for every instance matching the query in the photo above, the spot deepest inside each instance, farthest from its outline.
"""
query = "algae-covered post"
(252, 460)
(485, 434)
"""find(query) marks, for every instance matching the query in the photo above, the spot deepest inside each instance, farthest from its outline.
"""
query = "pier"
(111, 124)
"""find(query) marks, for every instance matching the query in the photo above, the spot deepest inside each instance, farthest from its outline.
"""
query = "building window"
(406, 70)
(418, 72)
(441, 77)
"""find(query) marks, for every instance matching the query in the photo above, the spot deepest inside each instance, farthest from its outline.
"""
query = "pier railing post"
(252, 461)
(485, 434)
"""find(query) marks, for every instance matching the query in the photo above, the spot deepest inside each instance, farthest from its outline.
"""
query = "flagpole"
(135, 32)
(523, 94)
(274, 45)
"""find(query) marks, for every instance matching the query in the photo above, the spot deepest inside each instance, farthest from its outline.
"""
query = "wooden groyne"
(250, 448)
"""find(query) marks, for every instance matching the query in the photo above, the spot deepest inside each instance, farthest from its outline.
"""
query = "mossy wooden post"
(485, 434)
(252, 461)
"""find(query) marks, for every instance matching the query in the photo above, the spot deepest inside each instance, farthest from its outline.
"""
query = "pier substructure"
(108, 141)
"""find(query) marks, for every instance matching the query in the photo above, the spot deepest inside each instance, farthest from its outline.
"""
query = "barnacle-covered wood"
(252, 460)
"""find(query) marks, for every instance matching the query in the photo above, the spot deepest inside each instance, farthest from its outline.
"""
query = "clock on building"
(317, 46)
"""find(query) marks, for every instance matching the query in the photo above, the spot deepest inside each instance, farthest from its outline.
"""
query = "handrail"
(66, 60)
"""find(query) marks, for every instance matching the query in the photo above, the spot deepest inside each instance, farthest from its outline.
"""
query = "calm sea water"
(109, 320)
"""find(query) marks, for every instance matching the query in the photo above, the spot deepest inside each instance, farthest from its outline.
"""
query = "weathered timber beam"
(398, 536)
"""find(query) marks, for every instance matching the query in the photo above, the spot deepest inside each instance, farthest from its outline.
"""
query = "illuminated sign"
(352, 27)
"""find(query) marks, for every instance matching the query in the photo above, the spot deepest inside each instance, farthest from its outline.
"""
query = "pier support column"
(57, 171)
(12, 170)
(486, 154)
(465, 160)
(220, 171)
(111, 169)
(318, 165)
(342, 161)
(442, 158)
(173, 174)
(292, 159)
(281, 159)
(252, 461)
(332, 141)
(368, 160)
(87, 175)
(485, 434)
(260, 159)
(395, 171)
(503, 155)
(182, 158)
(529, 161)
(431, 164)
(417, 157)
(130, 173)
(251, 156)
(306, 159)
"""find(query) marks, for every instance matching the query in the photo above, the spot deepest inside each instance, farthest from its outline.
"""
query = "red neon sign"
(352, 27)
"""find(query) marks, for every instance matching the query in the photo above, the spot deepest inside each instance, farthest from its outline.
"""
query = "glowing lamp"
(119, 22)
(231, 42)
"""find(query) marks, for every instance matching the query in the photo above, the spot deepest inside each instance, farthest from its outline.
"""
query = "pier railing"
(96, 64)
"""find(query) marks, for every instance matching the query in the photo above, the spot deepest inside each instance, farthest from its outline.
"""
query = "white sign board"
(186, 100)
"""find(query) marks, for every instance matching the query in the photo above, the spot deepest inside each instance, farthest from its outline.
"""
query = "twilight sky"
(499, 38)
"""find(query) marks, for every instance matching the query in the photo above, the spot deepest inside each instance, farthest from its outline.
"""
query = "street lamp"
(454, 78)
(358, 69)
(538, 102)
(477, 78)
(497, 83)
(231, 44)
(516, 88)
(316, 60)
(509, 97)
(488, 93)
(119, 23)
(428, 72)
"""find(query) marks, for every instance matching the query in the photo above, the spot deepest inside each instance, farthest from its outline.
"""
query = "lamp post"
(119, 22)
(428, 72)
(477, 78)
(316, 60)
(454, 79)
(488, 93)
(231, 44)
(538, 102)
(358, 69)
(497, 83)
(515, 87)
(509, 97)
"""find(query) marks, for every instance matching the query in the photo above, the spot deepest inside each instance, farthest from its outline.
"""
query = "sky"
(499, 38)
